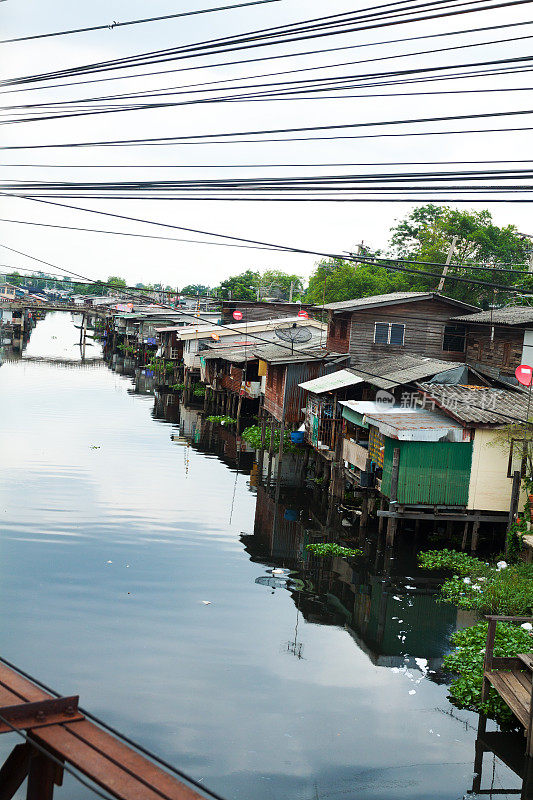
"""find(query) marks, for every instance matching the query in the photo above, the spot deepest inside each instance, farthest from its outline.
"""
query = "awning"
(327, 383)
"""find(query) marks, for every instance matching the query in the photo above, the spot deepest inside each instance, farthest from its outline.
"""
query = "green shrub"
(252, 435)
(466, 659)
(514, 541)
(221, 419)
(199, 390)
(178, 387)
(323, 549)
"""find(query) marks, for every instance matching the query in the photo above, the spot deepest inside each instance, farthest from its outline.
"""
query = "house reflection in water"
(386, 604)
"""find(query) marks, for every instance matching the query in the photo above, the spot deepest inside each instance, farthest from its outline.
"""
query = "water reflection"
(302, 679)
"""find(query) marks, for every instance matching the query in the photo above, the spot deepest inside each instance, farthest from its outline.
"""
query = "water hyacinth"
(324, 549)
(501, 588)
(466, 660)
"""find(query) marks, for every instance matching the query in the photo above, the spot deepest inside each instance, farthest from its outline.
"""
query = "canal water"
(136, 557)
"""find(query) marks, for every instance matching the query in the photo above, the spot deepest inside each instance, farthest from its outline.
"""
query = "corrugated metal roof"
(387, 373)
(194, 331)
(237, 355)
(511, 315)
(392, 298)
(478, 404)
(335, 380)
(281, 354)
(416, 425)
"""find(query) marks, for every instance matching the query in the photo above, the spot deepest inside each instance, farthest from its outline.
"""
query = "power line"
(271, 57)
(283, 248)
(206, 137)
(174, 89)
(135, 21)
(273, 36)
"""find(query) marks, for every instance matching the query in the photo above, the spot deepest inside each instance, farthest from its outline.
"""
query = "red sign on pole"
(237, 315)
(524, 374)
(303, 313)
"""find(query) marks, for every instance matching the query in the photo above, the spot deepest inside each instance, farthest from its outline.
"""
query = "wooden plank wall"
(505, 352)
(424, 330)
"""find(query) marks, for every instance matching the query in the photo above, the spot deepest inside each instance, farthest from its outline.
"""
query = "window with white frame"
(389, 333)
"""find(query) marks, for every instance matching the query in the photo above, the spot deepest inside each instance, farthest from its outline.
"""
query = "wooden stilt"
(392, 524)
(261, 458)
(465, 535)
(41, 778)
(475, 537)
(363, 520)
(14, 771)
(239, 407)
(381, 523)
(271, 450)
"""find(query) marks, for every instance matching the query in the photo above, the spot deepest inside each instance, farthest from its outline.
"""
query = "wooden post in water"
(392, 522)
(261, 458)
(513, 508)
(239, 406)
(270, 449)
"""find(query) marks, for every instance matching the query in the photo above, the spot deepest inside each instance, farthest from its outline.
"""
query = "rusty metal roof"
(473, 405)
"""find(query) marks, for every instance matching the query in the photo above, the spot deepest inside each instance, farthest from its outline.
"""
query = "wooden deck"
(512, 678)
(74, 741)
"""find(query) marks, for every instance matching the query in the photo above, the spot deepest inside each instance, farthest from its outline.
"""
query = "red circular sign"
(303, 313)
(237, 315)
(524, 373)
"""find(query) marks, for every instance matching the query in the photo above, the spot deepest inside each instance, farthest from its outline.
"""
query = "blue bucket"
(297, 437)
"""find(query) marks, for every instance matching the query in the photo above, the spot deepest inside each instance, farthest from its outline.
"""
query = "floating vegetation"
(324, 549)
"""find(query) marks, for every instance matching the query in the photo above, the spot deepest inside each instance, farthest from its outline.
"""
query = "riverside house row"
(403, 399)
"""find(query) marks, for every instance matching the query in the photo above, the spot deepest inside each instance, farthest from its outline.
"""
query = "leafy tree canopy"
(115, 281)
(427, 233)
(276, 283)
(240, 287)
(345, 280)
(196, 289)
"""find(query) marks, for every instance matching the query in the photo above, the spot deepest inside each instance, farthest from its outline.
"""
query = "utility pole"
(451, 251)
(290, 291)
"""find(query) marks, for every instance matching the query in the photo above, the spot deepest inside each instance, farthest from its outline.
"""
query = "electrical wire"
(135, 21)
(174, 89)
(271, 57)
(282, 248)
(357, 259)
(261, 39)
(485, 268)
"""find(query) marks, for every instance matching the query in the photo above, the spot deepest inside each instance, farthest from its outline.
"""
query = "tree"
(240, 287)
(196, 289)
(275, 282)
(346, 280)
(426, 234)
(115, 281)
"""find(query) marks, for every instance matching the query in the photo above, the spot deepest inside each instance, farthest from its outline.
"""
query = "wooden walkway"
(69, 739)
(512, 678)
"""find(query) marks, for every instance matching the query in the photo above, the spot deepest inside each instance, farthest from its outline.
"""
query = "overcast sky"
(318, 226)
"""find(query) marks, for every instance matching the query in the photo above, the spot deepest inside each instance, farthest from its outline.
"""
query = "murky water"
(116, 525)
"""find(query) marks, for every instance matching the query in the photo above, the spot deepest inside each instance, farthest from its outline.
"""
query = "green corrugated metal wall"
(430, 472)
